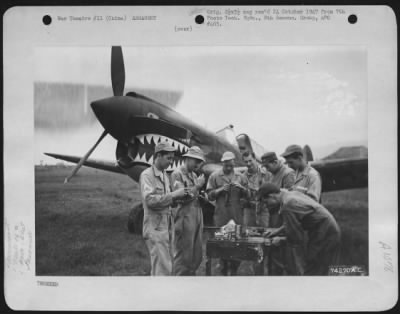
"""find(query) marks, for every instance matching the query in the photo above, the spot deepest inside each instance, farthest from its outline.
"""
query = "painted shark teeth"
(148, 138)
(141, 158)
(140, 138)
(155, 138)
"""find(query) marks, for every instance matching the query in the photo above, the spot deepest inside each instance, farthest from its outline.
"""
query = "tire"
(135, 219)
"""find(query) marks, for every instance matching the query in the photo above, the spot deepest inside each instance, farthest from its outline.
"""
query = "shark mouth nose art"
(140, 150)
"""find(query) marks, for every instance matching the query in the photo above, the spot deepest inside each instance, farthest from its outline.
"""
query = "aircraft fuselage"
(139, 123)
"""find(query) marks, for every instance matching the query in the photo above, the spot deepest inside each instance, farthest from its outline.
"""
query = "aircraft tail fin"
(308, 153)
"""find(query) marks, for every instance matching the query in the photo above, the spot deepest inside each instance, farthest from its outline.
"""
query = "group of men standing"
(273, 195)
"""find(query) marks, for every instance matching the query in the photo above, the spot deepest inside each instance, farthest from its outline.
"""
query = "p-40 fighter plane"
(138, 123)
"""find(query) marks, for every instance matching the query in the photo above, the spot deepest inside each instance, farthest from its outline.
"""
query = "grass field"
(81, 227)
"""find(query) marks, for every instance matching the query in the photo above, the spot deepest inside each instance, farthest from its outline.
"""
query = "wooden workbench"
(254, 249)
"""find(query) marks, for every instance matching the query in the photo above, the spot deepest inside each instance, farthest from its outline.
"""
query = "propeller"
(117, 71)
(84, 158)
(118, 84)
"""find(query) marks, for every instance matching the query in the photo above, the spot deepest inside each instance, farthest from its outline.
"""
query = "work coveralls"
(299, 213)
(284, 178)
(158, 226)
(308, 181)
(188, 225)
(228, 205)
(253, 209)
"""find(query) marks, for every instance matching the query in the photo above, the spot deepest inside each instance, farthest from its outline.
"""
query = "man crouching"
(301, 213)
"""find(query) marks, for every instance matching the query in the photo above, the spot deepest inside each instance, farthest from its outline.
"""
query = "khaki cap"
(268, 188)
(164, 146)
(228, 156)
(269, 156)
(291, 150)
(195, 152)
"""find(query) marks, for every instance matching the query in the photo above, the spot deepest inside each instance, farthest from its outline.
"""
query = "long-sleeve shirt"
(228, 205)
(155, 191)
(284, 177)
(181, 178)
(301, 213)
(308, 181)
(255, 211)
(255, 180)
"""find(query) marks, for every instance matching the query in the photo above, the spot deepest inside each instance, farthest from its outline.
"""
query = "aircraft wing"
(93, 163)
(342, 174)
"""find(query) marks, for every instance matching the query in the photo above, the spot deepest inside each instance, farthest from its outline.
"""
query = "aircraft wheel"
(135, 219)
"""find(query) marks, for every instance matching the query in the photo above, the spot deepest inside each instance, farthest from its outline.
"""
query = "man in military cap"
(157, 198)
(282, 176)
(301, 213)
(189, 216)
(227, 187)
(253, 213)
(307, 179)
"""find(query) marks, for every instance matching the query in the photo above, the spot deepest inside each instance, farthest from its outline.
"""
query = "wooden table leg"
(208, 266)
(259, 268)
(269, 265)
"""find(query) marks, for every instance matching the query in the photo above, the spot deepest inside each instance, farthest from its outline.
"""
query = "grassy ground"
(81, 226)
(350, 208)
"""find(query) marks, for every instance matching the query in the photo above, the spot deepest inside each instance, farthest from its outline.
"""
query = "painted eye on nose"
(152, 115)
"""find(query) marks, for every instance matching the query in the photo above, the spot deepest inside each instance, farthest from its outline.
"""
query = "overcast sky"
(277, 95)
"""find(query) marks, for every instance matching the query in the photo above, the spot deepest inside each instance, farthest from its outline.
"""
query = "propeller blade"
(117, 71)
(84, 158)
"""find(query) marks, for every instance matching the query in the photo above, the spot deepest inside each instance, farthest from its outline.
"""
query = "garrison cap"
(268, 188)
(164, 146)
(269, 156)
(227, 156)
(195, 152)
(291, 150)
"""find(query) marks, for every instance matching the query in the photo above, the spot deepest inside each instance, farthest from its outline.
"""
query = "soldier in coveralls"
(254, 213)
(227, 187)
(307, 179)
(299, 213)
(157, 198)
(189, 216)
(283, 177)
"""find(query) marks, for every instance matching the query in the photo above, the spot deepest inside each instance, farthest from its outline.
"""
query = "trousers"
(188, 244)
(158, 233)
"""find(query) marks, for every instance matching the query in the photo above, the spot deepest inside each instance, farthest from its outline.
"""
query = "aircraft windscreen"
(247, 144)
(257, 148)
